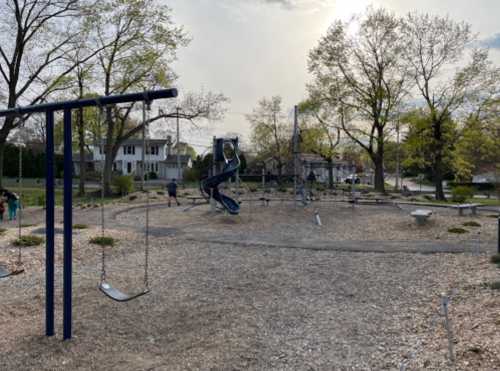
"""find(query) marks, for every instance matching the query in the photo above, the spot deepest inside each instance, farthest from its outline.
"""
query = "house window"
(129, 150)
(152, 150)
(129, 167)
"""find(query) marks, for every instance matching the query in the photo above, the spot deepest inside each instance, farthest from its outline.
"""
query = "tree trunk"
(330, 173)
(438, 159)
(108, 152)
(378, 161)
(81, 145)
(438, 177)
(108, 171)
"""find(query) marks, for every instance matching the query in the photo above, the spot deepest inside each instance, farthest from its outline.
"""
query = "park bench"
(421, 215)
(462, 207)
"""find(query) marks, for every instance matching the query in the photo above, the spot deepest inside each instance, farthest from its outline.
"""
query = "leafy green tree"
(271, 132)
(433, 46)
(141, 41)
(475, 150)
(420, 144)
(319, 134)
(359, 75)
(37, 35)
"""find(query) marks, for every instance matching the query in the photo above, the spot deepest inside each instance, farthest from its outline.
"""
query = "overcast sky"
(249, 49)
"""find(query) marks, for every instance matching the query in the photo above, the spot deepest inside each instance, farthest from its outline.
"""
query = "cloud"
(298, 4)
(492, 42)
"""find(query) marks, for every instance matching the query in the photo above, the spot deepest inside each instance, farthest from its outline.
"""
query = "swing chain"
(103, 249)
(146, 107)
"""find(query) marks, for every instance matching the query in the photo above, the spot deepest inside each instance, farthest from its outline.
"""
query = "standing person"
(13, 203)
(311, 178)
(172, 192)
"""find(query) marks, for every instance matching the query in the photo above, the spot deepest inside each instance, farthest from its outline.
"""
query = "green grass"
(495, 259)
(103, 241)
(36, 197)
(471, 224)
(457, 230)
(494, 285)
(481, 201)
(80, 226)
(28, 240)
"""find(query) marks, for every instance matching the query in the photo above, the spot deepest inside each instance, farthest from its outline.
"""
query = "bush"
(40, 200)
(281, 189)
(28, 240)
(103, 241)
(152, 176)
(494, 285)
(457, 230)
(80, 226)
(495, 259)
(191, 175)
(461, 193)
(124, 184)
(320, 188)
(471, 224)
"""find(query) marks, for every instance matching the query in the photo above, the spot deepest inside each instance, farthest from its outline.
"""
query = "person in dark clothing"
(12, 202)
(172, 192)
(311, 178)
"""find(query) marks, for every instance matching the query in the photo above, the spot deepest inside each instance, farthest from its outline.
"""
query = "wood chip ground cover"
(229, 306)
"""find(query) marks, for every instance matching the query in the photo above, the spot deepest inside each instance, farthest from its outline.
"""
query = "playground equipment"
(104, 285)
(209, 187)
(49, 109)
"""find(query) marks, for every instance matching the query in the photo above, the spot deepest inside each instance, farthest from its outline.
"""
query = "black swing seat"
(118, 295)
(4, 272)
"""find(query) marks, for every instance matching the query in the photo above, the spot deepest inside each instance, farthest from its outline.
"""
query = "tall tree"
(360, 75)
(322, 136)
(143, 42)
(271, 133)
(36, 35)
(434, 46)
(420, 144)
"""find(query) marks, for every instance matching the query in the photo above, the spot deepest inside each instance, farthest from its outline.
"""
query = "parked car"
(348, 179)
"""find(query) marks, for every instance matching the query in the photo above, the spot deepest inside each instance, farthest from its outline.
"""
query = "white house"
(159, 158)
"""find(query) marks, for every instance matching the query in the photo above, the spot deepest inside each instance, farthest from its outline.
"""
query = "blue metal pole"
(68, 224)
(49, 226)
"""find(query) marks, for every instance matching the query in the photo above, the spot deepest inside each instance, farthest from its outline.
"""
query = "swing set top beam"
(146, 96)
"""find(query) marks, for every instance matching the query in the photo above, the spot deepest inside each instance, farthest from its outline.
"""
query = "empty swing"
(104, 285)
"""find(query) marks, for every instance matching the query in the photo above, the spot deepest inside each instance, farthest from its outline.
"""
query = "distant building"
(316, 163)
(489, 177)
(160, 158)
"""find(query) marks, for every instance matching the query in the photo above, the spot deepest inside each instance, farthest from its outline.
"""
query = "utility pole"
(179, 175)
(295, 150)
(398, 171)
(143, 152)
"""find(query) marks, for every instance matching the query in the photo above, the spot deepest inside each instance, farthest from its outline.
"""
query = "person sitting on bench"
(172, 192)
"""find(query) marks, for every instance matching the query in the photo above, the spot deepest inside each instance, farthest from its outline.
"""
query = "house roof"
(138, 142)
(172, 159)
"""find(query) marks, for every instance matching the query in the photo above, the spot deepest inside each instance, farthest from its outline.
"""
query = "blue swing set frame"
(67, 107)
